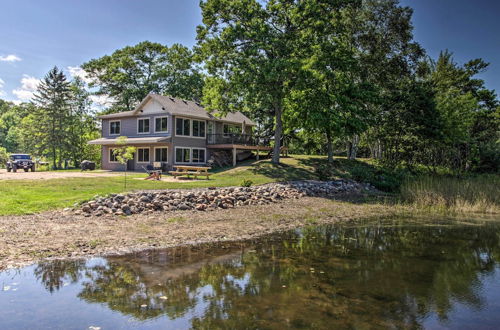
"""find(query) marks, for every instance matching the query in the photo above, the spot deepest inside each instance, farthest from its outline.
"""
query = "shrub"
(246, 183)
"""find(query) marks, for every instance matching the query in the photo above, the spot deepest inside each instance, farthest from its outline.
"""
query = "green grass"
(32, 196)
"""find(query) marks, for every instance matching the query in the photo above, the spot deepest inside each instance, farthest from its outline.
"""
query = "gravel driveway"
(21, 175)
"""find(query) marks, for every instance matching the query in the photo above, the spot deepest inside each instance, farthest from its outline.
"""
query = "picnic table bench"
(195, 171)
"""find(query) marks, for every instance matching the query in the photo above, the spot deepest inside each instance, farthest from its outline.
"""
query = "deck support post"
(258, 152)
(234, 157)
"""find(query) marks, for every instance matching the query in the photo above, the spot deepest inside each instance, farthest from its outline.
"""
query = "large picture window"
(182, 126)
(161, 124)
(198, 155)
(114, 127)
(143, 155)
(182, 155)
(198, 128)
(143, 126)
(161, 155)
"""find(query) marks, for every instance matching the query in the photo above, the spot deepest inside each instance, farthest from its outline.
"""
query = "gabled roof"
(180, 107)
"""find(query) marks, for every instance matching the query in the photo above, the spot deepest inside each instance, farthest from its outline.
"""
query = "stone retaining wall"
(213, 198)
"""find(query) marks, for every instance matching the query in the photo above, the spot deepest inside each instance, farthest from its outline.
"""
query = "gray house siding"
(128, 126)
(151, 108)
(108, 165)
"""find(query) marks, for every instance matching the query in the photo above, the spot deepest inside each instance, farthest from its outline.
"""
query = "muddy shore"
(30, 238)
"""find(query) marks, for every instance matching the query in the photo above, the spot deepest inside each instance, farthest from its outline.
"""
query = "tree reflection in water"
(369, 276)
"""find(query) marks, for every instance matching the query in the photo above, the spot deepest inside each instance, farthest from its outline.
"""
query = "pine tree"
(52, 115)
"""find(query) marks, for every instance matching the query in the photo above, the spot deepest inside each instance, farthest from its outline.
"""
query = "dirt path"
(25, 239)
(21, 175)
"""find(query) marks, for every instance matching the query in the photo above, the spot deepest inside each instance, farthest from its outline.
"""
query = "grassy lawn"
(31, 196)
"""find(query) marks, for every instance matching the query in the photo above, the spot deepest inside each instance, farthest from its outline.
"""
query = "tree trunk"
(277, 135)
(329, 147)
(54, 155)
(353, 147)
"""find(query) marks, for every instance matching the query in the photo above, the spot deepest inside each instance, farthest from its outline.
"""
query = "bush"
(246, 183)
(4, 157)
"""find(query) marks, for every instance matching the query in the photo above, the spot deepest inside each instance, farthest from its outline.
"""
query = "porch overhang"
(131, 141)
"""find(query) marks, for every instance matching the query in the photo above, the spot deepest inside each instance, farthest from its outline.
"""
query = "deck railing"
(232, 138)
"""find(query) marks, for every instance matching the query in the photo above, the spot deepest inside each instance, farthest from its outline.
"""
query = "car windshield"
(15, 157)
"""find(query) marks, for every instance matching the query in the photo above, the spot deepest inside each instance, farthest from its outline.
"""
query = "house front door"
(130, 164)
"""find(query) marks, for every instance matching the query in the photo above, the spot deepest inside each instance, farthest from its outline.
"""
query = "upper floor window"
(231, 129)
(143, 126)
(199, 128)
(183, 126)
(114, 127)
(161, 124)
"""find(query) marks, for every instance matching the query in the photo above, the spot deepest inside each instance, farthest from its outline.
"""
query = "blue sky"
(36, 35)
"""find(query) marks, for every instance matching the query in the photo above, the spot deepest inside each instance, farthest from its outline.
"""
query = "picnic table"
(195, 171)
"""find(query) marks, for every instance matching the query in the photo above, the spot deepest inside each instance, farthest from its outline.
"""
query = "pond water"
(377, 274)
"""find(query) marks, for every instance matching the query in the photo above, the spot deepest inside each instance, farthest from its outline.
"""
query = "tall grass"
(480, 194)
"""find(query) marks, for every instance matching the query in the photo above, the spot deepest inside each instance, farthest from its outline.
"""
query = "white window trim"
(198, 137)
(115, 121)
(190, 155)
(204, 160)
(109, 159)
(190, 128)
(144, 118)
(175, 155)
(158, 117)
(137, 155)
(165, 147)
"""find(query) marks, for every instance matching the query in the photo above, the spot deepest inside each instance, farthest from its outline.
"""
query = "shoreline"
(27, 239)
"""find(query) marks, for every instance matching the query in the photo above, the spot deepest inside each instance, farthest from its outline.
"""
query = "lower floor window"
(143, 155)
(161, 155)
(112, 156)
(182, 155)
(198, 155)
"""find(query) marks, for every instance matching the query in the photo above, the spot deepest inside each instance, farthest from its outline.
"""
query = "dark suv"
(18, 161)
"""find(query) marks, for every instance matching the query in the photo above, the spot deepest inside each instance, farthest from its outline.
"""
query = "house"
(174, 132)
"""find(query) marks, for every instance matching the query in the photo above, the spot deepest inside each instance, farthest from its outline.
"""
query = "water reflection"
(351, 277)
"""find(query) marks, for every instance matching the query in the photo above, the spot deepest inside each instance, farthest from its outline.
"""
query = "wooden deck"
(238, 147)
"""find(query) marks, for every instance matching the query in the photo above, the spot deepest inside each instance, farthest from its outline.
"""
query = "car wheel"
(14, 169)
(9, 169)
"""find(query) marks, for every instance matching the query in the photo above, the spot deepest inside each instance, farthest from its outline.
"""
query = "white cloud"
(27, 89)
(102, 100)
(10, 58)
(2, 83)
(76, 71)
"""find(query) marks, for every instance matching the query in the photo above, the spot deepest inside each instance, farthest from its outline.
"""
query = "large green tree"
(132, 72)
(252, 52)
(51, 118)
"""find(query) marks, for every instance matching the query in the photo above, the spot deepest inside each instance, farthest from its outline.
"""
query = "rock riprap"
(214, 198)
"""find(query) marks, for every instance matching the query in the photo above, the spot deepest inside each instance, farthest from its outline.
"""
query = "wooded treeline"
(320, 76)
